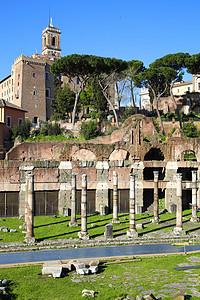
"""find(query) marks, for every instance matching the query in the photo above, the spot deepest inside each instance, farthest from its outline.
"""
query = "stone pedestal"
(132, 231)
(102, 210)
(109, 231)
(115, 198)
(73, 221)
(29, 190)
(179, 223)
(83, 234)
(194, 217)
(156, 200)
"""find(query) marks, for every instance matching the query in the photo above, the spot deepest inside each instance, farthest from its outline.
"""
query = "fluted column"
(29, 219)
(115, 198)
(194, 217)
(132, 231)
(73, 221)
(83, 234)
(156, 200)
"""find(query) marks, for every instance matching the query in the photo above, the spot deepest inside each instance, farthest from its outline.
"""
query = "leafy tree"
(50, 129)
(22, 130)
(156, 79)
(190, 130)
(93, 96)
(89, 129)
(177, 62)
(84, 67)
(64, 102)
(75, 67)
(193, 64)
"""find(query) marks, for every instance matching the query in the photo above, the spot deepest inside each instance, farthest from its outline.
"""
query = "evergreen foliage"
(190, 130)
(22, 130)
(89, 129)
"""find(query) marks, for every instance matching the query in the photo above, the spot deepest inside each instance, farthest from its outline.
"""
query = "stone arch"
(84, 154)
(119, 154)
(154, 154)
(187, 155)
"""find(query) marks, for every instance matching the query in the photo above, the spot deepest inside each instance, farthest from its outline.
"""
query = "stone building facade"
(31, 84)
(126, 151)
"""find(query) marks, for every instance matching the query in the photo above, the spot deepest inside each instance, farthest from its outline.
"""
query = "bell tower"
(51, 42)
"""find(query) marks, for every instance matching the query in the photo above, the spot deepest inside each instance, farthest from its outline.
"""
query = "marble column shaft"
(179, 222)
(84, 204)
(115, 197)
(73, 221)
(29, 190)
(156, 201)
(194, 196)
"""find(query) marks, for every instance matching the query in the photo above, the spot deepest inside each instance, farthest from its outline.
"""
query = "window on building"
(1, 94)
(4, 84)
(46, 75)
(8, 121)
(178, 91)
(48, 92)
(19, 121)
(198, 85)
(12, 81)
(188, 89)
(7, 83)
(34, 75)
(59, 77)
(53, 41)
(77, 80)
(18, 76)
(34, 92)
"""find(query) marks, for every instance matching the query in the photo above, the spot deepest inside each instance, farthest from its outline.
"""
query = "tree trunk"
(74, 109)
(176, 107)
(110, 103)
(158, 113)
(132, 95)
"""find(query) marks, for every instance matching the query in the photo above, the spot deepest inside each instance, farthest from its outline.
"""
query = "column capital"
(179, 176)
(156, 174)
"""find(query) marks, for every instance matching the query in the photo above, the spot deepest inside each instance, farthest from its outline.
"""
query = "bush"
(22, 130)
(190, 130)
(89, 129)
(49, 129)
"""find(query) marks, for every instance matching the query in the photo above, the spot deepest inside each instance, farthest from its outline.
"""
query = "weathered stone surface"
(53, 269)
(83, 271)
(139, 226)
(5, 282)
(13, 230)
(179, 295)
(88, 293)
(109, 231)
(5, 230)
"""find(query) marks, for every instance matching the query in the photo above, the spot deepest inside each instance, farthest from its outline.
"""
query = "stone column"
(83, 234)
(179, 223)
(115, 198)
(132, 231)
(73, 221)
(194, 217)
(156, 200)
(29, 219)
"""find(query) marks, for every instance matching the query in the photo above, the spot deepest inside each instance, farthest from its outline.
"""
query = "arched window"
(154, 154)
(53, 41)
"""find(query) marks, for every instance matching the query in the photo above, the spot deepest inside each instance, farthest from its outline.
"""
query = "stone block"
(93, 269)
(150, 297)
(94, 263)
(179, 295)
(172, 208)
(5, 230)
(109, 231)
(83, 271)
(2, 227)
(13, 230)
(102, 210)
(53, 269)
(88, 293)
(80, 266)
(139, 226)
(4, 282)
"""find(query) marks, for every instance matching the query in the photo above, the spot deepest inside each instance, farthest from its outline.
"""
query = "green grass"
(152, 274)
(48, 228)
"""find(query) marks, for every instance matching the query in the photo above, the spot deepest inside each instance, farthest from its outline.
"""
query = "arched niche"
(154, 154)
(119, 154)
(188, 155)
(84, 154)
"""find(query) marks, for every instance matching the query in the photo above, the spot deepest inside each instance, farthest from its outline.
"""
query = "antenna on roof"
(49, 14)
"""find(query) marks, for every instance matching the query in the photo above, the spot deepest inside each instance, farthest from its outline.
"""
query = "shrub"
(22, 130)
(89, 129)
(190, 130)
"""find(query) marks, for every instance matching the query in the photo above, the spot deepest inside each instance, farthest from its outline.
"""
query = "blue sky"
(125, 29)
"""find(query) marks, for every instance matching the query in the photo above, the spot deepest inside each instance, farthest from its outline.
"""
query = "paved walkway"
(100, 252)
